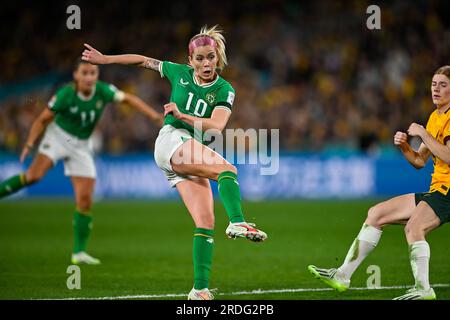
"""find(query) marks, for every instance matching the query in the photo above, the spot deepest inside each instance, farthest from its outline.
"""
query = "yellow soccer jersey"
(439, 127)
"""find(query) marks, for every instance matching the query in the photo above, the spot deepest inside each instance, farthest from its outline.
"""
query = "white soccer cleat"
(203, 294)
(245, 230)
(83, 257)
(414, 294)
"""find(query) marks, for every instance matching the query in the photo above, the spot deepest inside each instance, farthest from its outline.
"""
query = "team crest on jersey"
(99, 104)
(210, 97)
(74, 109)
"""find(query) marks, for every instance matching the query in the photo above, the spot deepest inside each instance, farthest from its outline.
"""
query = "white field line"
(240, 293)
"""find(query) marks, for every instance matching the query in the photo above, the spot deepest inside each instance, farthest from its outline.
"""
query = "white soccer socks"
(364, 243)
(419, 256)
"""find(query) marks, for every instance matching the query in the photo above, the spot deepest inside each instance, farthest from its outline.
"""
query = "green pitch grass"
(145, 248)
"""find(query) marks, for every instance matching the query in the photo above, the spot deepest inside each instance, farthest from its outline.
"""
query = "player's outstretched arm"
(417, 159)
(36, 130)
(92, 55)
(143, 107)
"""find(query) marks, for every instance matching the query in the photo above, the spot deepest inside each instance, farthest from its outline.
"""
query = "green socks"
(12, 185)
(202, 254)
(231, 196)
(82, 225)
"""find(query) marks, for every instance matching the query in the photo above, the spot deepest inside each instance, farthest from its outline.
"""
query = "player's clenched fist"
(172, 109)
(416, 130)
(400, 138)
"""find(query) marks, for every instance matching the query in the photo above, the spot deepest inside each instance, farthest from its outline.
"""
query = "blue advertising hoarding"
(299, 176)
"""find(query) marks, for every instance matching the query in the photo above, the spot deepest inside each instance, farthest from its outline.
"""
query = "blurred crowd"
(312, 70)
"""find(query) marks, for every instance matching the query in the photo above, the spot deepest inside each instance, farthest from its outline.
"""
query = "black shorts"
(439, 202)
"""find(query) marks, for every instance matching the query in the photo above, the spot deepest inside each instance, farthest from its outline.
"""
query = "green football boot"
(84, 258)
(415, 294)
(329, 277)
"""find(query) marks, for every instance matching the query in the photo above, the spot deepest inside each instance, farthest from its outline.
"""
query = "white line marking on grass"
(241, 293)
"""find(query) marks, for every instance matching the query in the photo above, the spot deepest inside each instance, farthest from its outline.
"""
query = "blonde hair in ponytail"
(216, 34)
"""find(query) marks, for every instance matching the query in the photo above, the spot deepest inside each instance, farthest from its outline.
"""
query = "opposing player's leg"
(422, 221)
(194, 159)
(397, 210)
(82, 219)
(39, 167)
(197, 196)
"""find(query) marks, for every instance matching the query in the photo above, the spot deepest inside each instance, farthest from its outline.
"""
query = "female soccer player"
(69, 121)
(200, 98)
(421, 212)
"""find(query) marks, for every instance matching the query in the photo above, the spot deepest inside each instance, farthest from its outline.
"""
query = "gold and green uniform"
(438, 196)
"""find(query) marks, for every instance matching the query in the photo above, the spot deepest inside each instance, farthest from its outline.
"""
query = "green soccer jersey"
(192, 98)
(78, 115)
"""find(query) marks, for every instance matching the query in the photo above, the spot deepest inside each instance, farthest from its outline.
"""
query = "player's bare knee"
(206, 223)
(218, 169)
(84, 202)
(374, 217)
(230, 167)
(414, 230)
(407, 229)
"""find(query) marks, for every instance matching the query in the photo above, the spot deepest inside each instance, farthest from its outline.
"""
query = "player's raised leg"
(197, 196)
(193, 158)
(422, 221)
(82, 219)
(39, 167)
(394, 211)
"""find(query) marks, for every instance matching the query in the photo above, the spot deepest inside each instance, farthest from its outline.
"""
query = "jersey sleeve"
(170, 70)
(111, 93)
(225, 98)
(58, 101)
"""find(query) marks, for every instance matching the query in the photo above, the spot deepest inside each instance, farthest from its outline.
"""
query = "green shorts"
(439, 202)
